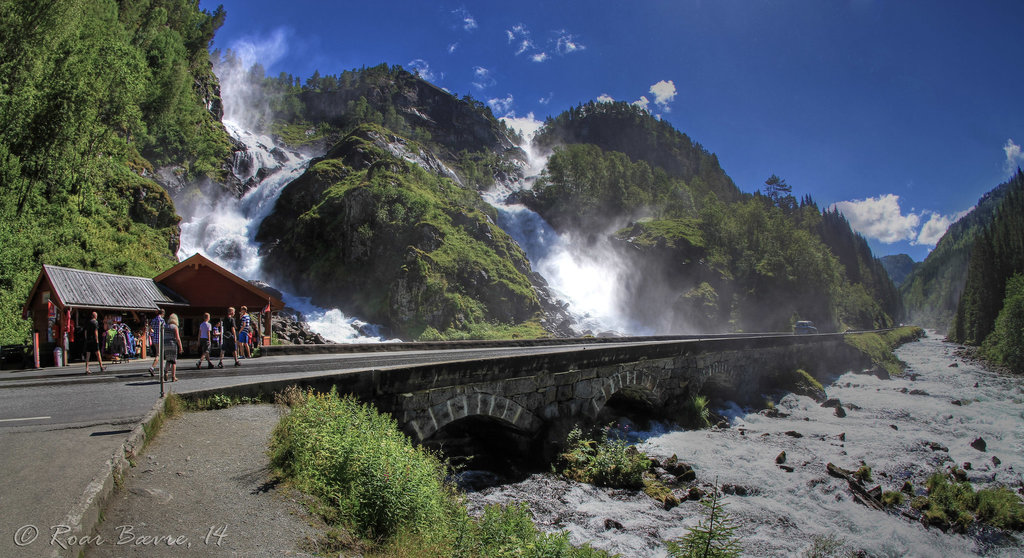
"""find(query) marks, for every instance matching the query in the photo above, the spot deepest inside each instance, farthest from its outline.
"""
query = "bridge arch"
(638, 383)
(479, 404)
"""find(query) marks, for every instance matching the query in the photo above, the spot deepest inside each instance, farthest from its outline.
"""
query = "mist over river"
(892, 425)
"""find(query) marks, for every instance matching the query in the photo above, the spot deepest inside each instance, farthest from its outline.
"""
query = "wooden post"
(268, 331)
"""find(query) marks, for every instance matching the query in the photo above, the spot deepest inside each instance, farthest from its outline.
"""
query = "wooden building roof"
(208, 285)
(77, 288)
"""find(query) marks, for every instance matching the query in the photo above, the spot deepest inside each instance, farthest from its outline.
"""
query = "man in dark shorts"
(205, 334)
(92, 342)
(230, 333)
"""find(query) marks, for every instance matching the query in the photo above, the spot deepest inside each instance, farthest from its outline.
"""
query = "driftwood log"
(861, 494)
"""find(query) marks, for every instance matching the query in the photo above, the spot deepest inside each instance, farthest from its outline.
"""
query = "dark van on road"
(804, 327)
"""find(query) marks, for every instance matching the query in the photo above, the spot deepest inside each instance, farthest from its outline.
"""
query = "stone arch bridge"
(547, 393)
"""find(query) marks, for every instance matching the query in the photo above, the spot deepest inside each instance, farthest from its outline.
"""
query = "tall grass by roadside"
(373, 482)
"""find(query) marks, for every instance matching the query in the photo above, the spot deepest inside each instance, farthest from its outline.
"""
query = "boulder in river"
(979, 444)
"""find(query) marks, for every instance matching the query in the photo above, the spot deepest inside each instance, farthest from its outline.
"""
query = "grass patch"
(879, 346)
(222, 401)
(697, 412)
(604, 461)
(956, 504)
(383, 496)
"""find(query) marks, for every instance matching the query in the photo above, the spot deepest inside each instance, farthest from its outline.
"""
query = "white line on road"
(26, 418)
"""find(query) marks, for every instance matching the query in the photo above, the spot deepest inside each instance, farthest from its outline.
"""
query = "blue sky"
(903, 113)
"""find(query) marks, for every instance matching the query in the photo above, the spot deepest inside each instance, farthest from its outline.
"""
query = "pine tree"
(713, 537)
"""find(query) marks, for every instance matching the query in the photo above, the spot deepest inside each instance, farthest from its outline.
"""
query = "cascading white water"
(224, 228)
(589, 276)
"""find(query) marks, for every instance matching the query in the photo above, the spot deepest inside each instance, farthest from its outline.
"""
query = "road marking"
(26, 418)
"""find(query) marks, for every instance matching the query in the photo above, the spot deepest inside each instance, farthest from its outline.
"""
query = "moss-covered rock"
(368, 231)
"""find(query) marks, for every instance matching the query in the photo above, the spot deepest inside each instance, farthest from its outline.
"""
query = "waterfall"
(589, 276)
(223, 227)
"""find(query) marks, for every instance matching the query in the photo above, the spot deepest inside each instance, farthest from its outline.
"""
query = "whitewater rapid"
(889, 425)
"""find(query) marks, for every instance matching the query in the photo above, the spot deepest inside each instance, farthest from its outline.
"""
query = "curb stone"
(84, 517)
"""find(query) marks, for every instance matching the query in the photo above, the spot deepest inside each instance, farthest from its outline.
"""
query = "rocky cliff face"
(368, 228)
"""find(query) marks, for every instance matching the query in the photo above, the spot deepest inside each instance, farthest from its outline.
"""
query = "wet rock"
(794, 434)
(737, 489)
(996, 461)
(695, 493)
(957, 402)
(894, 427)
(842, 436)
(774, 413)
(787, 468)
(610, 524)
(979, 444)
(918, 392)
(876, 492)
(954, 365)
(967, 465)
(935, 446)
(959, 474)
(840, 412)
(781, 458)
(833, 402)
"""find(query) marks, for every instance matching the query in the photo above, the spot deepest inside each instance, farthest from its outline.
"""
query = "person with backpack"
(230, 334)
(92, 342)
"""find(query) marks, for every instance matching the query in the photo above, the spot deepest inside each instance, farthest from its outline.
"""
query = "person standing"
(205, 334)
(92, 342)
(230, 332)
(172, 346)
(244, 333)
(154, 338)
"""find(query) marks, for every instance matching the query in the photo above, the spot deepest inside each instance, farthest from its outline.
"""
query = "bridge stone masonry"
(542, 396)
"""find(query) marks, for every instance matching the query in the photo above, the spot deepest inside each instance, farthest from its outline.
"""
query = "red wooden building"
(63, 298)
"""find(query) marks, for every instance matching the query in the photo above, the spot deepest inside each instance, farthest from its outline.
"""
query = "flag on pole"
(267, 307)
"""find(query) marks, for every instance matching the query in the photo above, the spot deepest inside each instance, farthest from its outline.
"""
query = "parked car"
(804, 327)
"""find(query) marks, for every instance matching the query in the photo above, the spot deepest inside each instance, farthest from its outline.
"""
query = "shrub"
(354, 457)
(957, 503)
(890, 499)
(698, 412)
(604, 462)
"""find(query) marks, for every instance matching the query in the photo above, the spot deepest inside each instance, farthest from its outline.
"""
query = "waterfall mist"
(223, 226)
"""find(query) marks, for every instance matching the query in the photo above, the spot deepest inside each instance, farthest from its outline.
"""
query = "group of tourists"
(231, 336)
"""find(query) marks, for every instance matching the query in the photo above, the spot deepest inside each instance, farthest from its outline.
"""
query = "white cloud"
(664, 92)
(546, 100)
(936, 226)
(539, 57)
(421, 67)
(452, 47)
(527, 125)
(1014, 157)
(502, 106)
(567, 43)
(642, 102)
(468, 21)
(605, 98)
(880, 218)
(482, 78)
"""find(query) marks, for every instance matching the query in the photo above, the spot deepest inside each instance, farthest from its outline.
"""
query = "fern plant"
(713, 537)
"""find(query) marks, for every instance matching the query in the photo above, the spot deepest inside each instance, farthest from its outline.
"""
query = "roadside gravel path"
(203, 488)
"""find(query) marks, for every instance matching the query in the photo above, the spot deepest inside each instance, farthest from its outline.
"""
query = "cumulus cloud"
(421, 67)
(566, 43)
(527, 125)
(1014, 157)
(466, 18)
(643, 102)
(539, 57)
(880, 218)
(482, 77)
(605, 98)
(936, 226)
(664, 92)
(502, 106)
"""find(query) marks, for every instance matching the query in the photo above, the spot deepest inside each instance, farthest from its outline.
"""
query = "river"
(890, 424)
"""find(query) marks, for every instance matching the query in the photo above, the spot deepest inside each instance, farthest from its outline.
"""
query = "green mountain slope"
(932, 291)
(898, 266)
